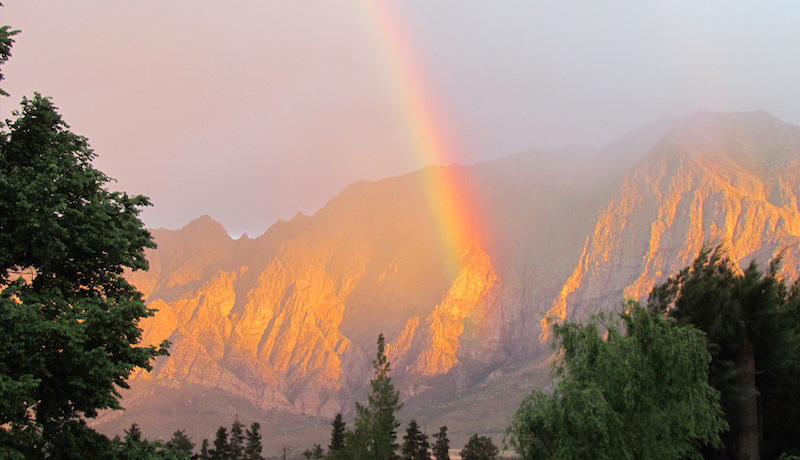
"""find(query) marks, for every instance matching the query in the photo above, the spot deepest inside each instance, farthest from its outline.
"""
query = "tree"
(221, 450)
(180, 445)
(752, 321)
(236, 444)
(415, 444)
(441, 447)
(136, 447)
(204, 453)
(252, 450)
(376, 423)
(424, 447)
(479, 448)
(337, 434)
(6, 41)
(68, 318)
(315, 453)
(633, 388)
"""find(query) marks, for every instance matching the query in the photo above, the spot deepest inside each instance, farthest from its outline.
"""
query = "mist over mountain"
(283, 326)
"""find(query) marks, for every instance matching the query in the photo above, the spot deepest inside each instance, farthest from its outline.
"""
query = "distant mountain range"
(283, 326)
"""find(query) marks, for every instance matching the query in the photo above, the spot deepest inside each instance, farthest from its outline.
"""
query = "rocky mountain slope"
(286, 322)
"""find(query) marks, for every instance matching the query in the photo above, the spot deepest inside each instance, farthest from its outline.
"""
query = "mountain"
(282, 327)
(727, 179)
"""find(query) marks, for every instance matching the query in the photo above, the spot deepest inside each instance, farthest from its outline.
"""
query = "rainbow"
(449, 193)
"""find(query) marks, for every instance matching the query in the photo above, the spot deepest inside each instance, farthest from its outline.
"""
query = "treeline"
(374, 434)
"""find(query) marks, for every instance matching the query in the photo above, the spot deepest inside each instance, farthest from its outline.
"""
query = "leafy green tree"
(221, 450)
(415, 444)
(6, 42)
(337, 434)
(76, 440)
(479, 448)
(376, 424)
(68, 318)
(629, 390)
(441, 447)
(752, 321)
(252, 450)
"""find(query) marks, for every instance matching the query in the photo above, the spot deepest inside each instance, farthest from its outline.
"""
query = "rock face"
(723, 179)
(287, 321)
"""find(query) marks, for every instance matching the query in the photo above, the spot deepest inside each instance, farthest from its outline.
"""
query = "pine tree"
(424, 447)
(236, 443)
(135, 447)
(253, 449)
(415, 443)
(221, 450)
(204, 454)
(376, 423)
(441, 448)
(337, 434)
(411, 447)
(180, 444)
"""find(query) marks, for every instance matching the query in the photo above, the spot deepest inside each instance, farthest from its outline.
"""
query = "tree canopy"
(631, 388)
(479, 448)
(752, 320)
(69, 332)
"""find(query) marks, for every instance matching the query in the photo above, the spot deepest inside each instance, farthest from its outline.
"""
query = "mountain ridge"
(286, 321)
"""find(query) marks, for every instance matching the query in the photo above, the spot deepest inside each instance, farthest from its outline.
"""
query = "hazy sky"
(250, 111)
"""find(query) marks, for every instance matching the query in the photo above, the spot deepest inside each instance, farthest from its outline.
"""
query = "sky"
(250, 111)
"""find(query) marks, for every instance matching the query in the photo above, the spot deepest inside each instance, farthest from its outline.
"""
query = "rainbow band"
(448, 193)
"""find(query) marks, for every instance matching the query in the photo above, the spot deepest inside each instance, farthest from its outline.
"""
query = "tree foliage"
(441, 447)
(69, 334)
(237, 442)
(338, 427)
(6, 42)
(376, 424)
(627, 390)
(752, 320)
(221, 450)
(479, 448)
(181, 444)
(252, 450)
(415, 444)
